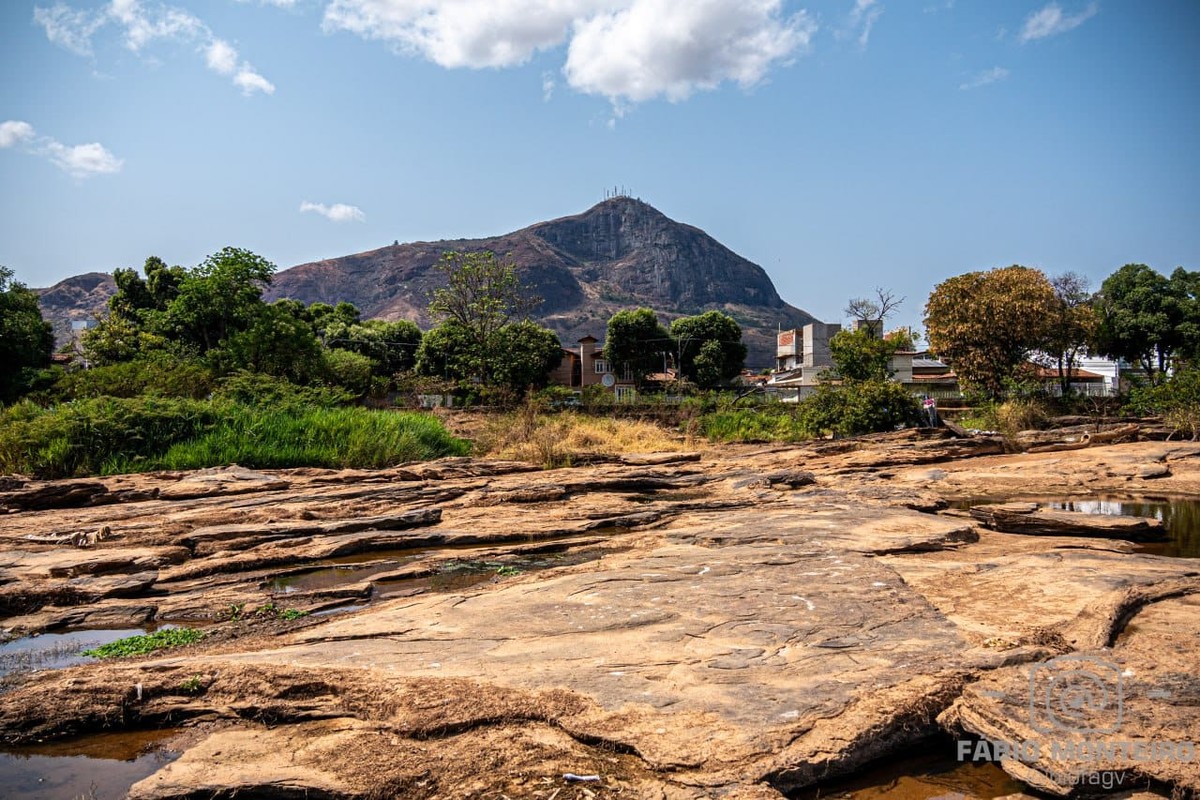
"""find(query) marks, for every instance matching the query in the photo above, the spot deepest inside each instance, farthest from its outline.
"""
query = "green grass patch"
(753, 425)
(149, 643)
(109, 435)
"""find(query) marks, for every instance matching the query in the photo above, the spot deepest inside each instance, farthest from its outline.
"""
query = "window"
(601, 366)
(625, 394)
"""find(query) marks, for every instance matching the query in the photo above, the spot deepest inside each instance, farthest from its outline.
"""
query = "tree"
(860, 356)
(871, 312)
(904, 337)
(636, 341)
(26, 340)
(392, 345)
(1143, 317)
(482, 295)
(1072, 325)
(449, 351)
(986, 324)
(220, 297)
(276, 342)
(709, 348)
(524, 356)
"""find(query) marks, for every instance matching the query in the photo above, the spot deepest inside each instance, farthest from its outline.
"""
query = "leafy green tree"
(1147, 318)
(26, 340)
(709, 348)
(861, 356)
(986, 324)
(392, 345)
(350, 370)
(451, 352)
(524, 356)
(482, 293)
(636, 341)
(219, 298)
(324, 316)
(1186, 287)
(1072, 325)
(274, 342)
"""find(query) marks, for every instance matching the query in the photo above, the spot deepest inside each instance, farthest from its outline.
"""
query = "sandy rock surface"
(741, 623)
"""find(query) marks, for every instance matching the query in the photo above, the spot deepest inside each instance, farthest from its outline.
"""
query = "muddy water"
(101, 767)
(934, 776)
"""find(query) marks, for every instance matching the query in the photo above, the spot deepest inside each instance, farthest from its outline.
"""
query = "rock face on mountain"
(80, 297)
(619, 254)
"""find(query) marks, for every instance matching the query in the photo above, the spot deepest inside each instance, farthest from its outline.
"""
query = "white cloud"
(82, 160)
(984, 78)
(15, 132)
(221, 57)
(141, 25)
(250, 81)
(79, 161)
(338, 212)
(548, 85)
(69, 28)
(1051, 21)
(625, 50)
(462, 33)
(862, 18)
(663, 48)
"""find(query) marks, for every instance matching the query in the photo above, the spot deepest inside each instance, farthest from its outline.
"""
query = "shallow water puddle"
(56, 650)
(100, 767)
(935, 776)
(1180, 517)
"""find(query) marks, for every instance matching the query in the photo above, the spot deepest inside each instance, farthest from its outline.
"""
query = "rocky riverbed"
(742, 622)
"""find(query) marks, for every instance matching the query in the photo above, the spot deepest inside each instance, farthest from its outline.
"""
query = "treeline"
(986, 325)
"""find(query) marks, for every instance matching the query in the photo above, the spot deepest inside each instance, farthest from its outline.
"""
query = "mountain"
(621, 253)
(80, 297)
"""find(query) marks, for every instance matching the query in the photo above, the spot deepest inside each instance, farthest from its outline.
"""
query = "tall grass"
(318, 437)
(752, 425)
(115, 435)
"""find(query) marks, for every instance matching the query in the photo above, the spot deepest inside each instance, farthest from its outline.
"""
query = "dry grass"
(557, 440)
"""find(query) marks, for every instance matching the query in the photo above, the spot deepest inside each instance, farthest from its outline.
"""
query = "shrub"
(154, 376)
(1177, 399)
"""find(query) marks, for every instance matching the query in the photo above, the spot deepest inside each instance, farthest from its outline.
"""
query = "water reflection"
(103, 767)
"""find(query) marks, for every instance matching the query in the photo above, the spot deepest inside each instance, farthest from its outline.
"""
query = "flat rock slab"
(1032, 519)
(755, 640)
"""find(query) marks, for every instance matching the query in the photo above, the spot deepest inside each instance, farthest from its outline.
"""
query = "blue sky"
(841, 144)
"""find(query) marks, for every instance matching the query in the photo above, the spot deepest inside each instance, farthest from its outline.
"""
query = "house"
(803, 354)
(1082, 381)
(933, 378)
(585, 365)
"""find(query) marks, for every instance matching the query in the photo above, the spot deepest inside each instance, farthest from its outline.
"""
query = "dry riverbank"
(742, 623)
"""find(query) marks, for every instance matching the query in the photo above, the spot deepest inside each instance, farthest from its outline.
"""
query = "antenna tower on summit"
(617, 191)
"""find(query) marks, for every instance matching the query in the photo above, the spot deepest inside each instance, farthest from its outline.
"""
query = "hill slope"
(619, 254)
